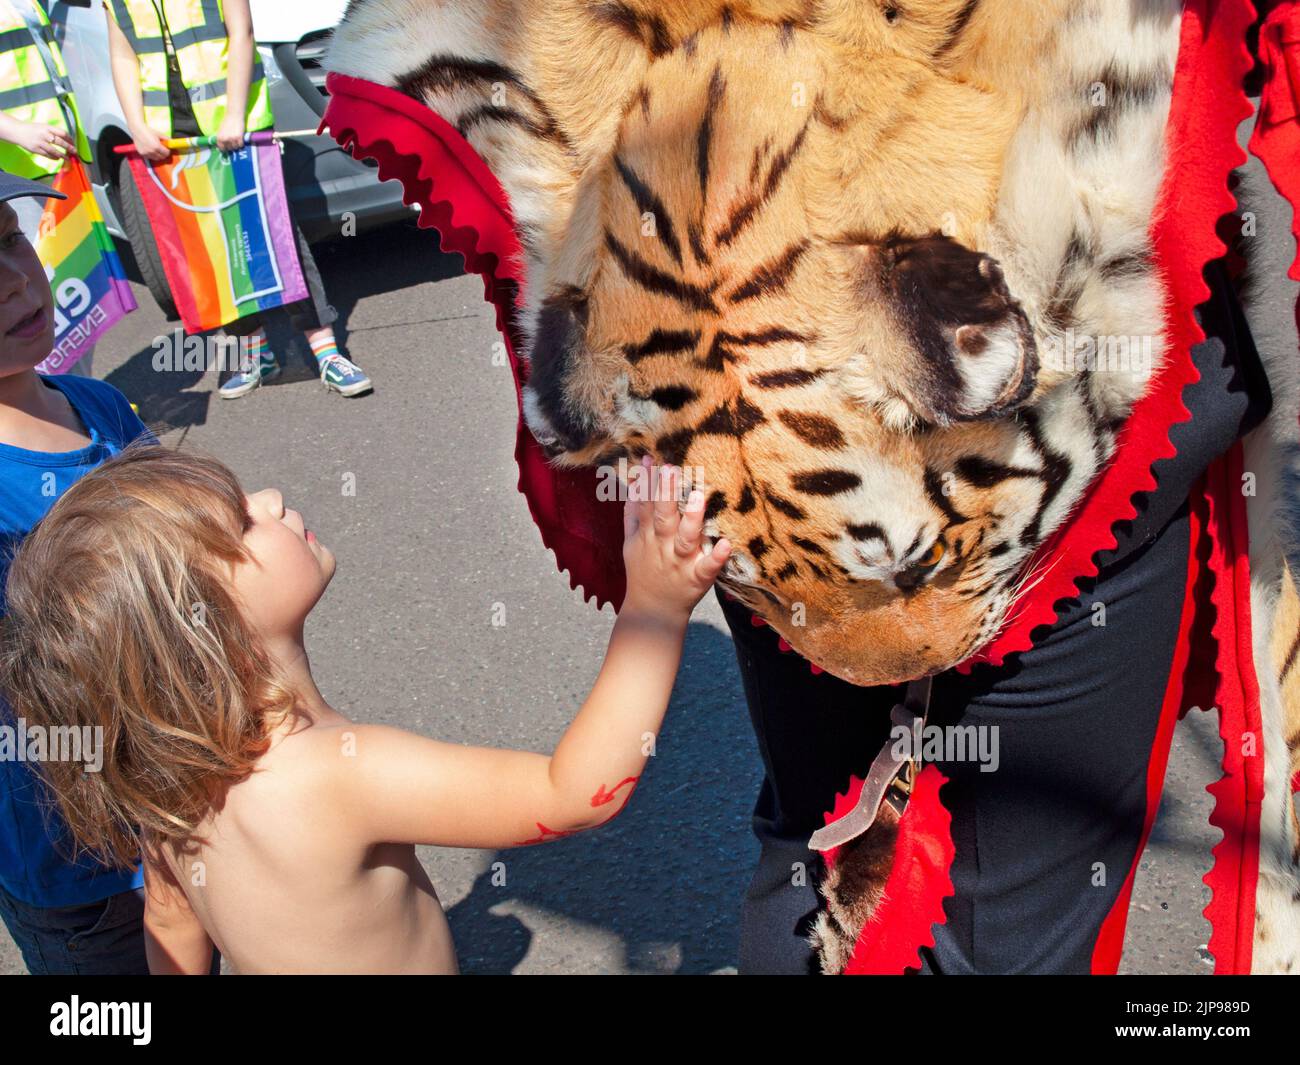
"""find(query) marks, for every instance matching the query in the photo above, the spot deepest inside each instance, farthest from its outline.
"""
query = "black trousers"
(1075, 718)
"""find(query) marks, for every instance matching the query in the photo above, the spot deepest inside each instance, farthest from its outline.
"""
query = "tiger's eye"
(932, 557)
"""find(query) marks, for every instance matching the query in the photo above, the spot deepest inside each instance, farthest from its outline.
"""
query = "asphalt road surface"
(433, 539)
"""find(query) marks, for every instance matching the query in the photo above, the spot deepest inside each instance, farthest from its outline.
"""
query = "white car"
(324, 183)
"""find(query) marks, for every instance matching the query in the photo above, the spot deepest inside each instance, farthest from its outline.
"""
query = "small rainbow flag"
(221, 220)
(91, 293)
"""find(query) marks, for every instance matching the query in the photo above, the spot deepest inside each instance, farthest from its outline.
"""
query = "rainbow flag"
(221, 220)
(91, 293)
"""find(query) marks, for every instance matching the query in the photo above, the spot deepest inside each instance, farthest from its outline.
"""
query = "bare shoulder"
(346, 750)
(310, 759)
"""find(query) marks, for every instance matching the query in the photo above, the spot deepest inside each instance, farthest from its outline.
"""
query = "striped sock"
(258, 349)
(324, 348)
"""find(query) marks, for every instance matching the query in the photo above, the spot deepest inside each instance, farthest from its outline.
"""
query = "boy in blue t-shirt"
(66, 917)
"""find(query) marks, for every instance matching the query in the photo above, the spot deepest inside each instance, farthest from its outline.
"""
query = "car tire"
(139, 234)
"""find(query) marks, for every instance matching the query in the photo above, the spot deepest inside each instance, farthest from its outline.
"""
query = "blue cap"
(12, 186)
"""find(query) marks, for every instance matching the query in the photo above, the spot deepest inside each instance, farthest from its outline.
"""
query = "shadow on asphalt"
(397, 257)
(676, 861)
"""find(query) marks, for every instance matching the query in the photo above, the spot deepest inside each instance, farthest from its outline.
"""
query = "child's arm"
(406, 788)
(174, 941)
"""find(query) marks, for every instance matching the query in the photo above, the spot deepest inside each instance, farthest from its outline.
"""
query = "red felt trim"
(1239, 793)
(1201, 142)
(463, 202)
(912, 904)
(1276, 138)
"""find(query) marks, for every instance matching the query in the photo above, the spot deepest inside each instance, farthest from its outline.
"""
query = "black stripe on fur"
(648, 202)
(651, 278)
(958, 27)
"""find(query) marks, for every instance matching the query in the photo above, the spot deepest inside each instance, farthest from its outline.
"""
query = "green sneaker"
(343, 376)
(245, 381)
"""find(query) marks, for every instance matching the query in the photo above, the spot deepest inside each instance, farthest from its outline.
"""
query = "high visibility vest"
(198, 34)
(29, 91)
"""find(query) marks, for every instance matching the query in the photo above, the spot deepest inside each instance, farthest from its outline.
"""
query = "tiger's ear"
(951, 341)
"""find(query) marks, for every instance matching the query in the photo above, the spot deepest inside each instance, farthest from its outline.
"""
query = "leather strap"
(891, 775)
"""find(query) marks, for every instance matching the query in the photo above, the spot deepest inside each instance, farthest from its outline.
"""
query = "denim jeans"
(104, 938)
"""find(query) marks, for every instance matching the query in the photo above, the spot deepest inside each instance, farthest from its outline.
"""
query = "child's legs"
(104, 938)
(249, 325)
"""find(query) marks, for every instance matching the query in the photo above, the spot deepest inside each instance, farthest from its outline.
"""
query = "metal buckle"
(890, 778)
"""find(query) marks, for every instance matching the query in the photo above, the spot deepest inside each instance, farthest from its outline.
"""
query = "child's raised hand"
(668, 572)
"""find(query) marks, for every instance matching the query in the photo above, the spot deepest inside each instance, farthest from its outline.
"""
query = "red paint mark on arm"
(604, 798)
(546, 835)
(601, 798)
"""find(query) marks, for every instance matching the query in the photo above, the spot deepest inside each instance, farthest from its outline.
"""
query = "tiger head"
(737, 263)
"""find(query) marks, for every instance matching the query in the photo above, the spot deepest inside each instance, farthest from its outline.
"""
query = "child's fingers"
(687, 542)
(665, 506)
(630, 522)
(710, 564)
(639, 493)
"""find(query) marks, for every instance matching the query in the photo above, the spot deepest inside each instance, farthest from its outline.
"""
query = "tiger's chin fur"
(877, 275)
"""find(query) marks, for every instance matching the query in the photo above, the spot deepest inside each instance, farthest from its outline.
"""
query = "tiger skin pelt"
(877, 275)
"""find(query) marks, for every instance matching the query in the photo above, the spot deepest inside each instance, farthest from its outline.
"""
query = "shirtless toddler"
(159, 602)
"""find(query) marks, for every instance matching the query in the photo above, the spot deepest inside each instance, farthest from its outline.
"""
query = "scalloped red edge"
(463, 203)
(918, 883)
(1202, 151)
(1239, 793)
